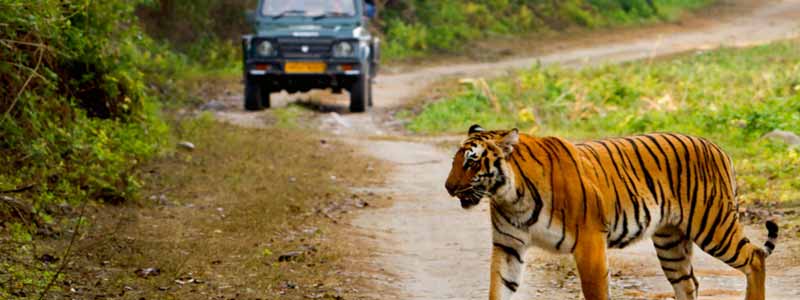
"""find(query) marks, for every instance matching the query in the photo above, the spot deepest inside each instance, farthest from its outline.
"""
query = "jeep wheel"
(255, 97)
(359, 94)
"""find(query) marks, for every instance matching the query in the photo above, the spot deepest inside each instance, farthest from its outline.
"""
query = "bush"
(77, 110)
(447, 26)
(207, 31)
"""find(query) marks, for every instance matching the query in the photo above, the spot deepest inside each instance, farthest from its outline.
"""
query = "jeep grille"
(315, 48)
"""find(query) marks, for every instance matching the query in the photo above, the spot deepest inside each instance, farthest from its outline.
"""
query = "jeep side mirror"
(250, 15)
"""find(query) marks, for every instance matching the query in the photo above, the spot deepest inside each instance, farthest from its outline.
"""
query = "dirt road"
(436, 250)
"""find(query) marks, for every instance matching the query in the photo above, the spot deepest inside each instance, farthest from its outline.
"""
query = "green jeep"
(301, 45)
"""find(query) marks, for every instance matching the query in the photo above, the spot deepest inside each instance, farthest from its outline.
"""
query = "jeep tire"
(256, 97)
(360, 94)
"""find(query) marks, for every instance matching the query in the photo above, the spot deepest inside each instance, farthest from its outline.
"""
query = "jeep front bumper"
(333, 67)
(337, 74)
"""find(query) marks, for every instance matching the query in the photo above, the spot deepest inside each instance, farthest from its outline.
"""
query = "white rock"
(341, 121)
(213, 105)
(787, 137)
(186, 145)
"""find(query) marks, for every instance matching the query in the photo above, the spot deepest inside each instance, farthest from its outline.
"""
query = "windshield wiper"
(328, 14)
(286, 12)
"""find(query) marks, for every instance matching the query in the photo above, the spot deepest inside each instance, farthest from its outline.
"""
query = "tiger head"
(479, 167)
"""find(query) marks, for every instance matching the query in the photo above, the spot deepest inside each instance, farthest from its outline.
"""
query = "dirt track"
(436, 250)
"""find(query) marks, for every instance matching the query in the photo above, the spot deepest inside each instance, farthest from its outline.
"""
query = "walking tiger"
(582, 198)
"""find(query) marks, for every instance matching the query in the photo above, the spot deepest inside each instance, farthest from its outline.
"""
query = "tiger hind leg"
(675, 254)
(737, 251)
(756, 278)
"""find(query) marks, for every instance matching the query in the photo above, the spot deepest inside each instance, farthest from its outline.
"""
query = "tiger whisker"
(464, 190)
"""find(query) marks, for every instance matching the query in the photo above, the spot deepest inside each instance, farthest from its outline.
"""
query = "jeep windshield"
(309, 8)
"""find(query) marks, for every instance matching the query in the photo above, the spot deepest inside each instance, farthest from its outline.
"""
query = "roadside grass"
(216, 220)
(669, 10)
(288, 116)
(420, 28)
(730, 96)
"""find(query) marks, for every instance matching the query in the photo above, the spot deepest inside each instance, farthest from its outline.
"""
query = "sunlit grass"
(450, 26)
(730, 96)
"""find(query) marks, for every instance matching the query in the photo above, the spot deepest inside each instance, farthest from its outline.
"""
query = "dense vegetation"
(730, 96)
(76, 99)
(78, 114)
(208, 31)
(409, 28)
(419, 27)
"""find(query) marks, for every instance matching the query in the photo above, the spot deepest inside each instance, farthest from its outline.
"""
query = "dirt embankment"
(241, 213)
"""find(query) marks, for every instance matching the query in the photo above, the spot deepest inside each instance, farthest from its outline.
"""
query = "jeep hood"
(308, 29)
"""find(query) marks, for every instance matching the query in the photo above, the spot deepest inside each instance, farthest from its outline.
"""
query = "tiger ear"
(475, 128)
(510, 139)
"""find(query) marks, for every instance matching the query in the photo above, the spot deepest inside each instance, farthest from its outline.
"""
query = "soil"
(430, 248)
(224, 219)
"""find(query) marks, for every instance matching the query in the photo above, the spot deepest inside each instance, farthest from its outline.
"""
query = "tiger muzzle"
(451, 188)
(469, 202)
(467, 196)
(464, 195)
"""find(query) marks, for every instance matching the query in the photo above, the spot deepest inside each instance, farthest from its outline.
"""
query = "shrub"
(77, 110)
(207, 31)
(446, 26)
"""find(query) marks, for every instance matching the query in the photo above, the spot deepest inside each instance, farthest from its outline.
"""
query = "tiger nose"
(451, 188)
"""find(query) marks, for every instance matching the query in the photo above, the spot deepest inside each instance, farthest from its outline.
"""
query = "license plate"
(305, 67)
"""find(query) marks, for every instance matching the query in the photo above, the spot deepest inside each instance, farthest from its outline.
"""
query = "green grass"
(731, 96)
(639, 12)
(422, 27)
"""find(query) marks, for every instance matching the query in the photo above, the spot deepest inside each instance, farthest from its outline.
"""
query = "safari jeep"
(299, 45)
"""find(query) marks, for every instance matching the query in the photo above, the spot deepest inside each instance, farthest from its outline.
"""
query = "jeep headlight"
(264, 48)
(343, 49)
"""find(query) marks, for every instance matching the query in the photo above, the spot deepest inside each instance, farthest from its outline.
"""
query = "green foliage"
(206, 31)
(730, 96)
(79, 84)
(76, 105)
(418, 27)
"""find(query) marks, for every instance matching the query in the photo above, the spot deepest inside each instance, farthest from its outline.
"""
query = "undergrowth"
(421, 27)
(80, 111)
(222, 216)
(82, 93)
(205, 31)
(78, 103)
(731, 96)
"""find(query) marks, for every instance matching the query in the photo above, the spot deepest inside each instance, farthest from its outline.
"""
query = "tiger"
(584, 198)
